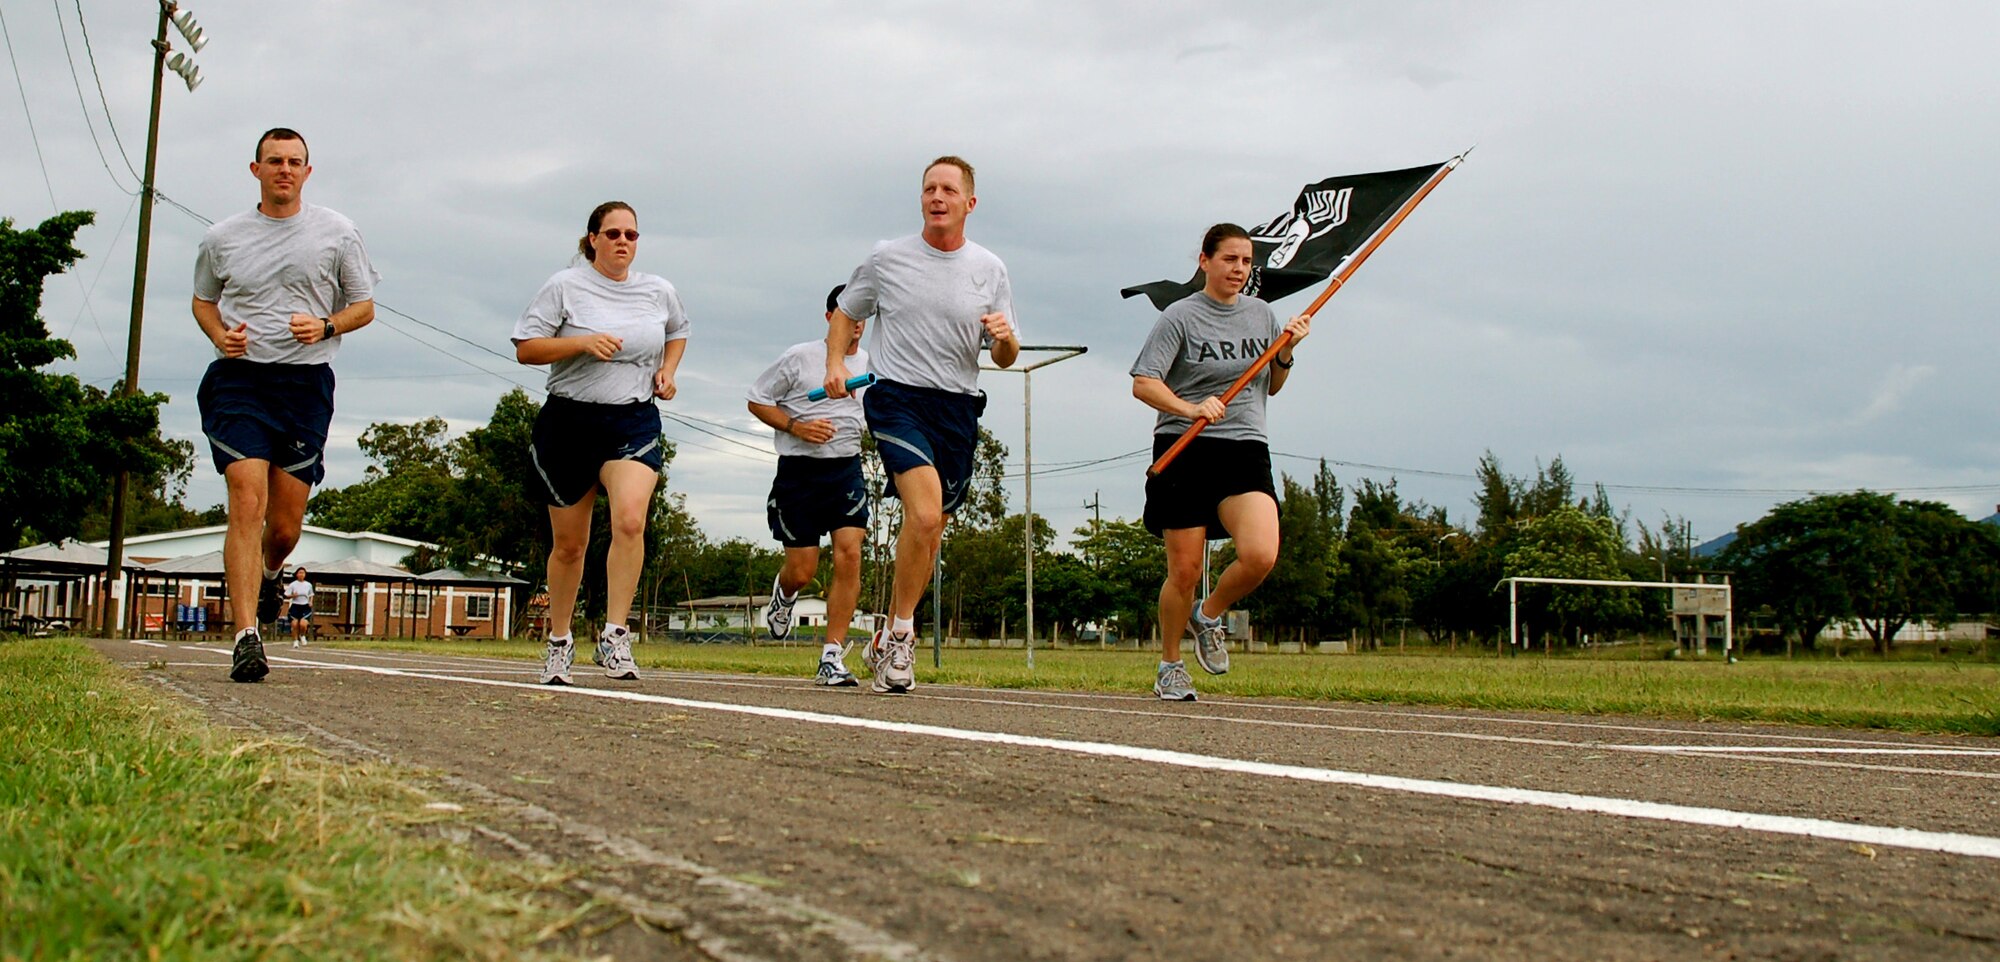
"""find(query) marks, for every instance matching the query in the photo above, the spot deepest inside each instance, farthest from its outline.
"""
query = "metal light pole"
(114, 555)
(1063, 352)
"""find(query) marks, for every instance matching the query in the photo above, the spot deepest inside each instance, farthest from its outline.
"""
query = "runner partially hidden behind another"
(275, 288)
(613, 339)
(1221, 483)
(818, 491)
(299, 606)
(937, 298)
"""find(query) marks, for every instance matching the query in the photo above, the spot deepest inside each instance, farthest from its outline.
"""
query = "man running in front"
(275, 288)
(937, 299)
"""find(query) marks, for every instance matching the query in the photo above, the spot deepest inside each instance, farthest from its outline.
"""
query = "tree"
(1131, 565)
(61, 442)
(1298, 593)
(1569, 542)
(408, 489)
(1863, 555)
(158, 500)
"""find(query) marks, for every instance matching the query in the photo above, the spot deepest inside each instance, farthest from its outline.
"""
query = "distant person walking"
(937, 299)
(299, 606)
(1221, 483)
(613, 339)
(819, 490)
(275, 289)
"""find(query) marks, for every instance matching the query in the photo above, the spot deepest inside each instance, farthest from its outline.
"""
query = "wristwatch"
(330, 333)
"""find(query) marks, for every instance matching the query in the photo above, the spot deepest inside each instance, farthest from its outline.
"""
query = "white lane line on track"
(149, 644)
(431, 663)
(1751, 753)
(1803, 750)
(1955, 843)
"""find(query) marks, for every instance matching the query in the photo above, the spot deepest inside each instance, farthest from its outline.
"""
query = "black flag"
(1304, 246)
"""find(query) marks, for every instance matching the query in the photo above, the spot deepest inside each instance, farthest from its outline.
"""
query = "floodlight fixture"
(185, 66)
(184, 22)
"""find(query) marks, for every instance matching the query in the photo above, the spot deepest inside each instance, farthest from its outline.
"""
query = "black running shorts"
(573, 440)
(1188, 492)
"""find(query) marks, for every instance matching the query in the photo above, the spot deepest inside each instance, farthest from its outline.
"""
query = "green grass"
(129, 829)
(1904, 695)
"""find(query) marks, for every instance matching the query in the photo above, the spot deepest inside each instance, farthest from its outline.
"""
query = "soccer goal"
(1696, 599)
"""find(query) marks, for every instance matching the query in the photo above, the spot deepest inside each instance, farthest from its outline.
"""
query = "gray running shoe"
(833, 674)
(1173, 683)
(1211, 642)
(614, 652)
(895, 662)
(555, 669)
(778, 614)
(247, 662)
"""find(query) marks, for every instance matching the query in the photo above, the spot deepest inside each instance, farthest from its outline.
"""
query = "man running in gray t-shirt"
(937, 299)
(274, 290)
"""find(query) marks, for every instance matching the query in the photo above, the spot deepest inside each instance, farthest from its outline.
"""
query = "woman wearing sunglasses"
(613, 338)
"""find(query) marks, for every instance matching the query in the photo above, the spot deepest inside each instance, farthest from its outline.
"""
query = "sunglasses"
(612, 234)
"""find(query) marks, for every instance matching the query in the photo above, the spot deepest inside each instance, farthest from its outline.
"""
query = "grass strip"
(130, 829)
(1957, 697)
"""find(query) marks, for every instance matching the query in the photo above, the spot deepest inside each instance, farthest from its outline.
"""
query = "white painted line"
(1802, 750)
(149, 644)
(1978, 846)
(1762, 754)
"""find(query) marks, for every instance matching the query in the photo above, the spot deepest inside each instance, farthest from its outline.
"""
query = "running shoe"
(895, 662)
(833, 672)
(778, 614)
(614, 652)
(1211, 642)
(555, 669)
(1173, 683)
(247, 663)
(270, 599)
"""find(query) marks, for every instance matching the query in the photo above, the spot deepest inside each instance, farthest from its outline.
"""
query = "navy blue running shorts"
(573, 440)
(812, 497)
(916, 427)
(1188, 492)
(268, 412)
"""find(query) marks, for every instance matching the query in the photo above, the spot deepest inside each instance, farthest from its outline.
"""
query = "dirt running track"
(759, 818)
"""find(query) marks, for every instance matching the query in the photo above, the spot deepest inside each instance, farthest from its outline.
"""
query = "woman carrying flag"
(1220, 485)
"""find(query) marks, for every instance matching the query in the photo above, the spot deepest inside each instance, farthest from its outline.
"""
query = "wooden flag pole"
(1340, 277)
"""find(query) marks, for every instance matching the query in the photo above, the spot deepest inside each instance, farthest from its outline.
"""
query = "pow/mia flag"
(1305, 245)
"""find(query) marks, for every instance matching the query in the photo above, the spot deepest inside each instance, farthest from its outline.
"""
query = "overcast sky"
(1715, 256)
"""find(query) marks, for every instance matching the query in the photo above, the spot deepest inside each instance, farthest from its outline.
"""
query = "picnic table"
(348, 628)
(460, 631)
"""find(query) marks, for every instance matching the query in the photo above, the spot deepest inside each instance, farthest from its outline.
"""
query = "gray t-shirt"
(643, 310)
(784, 385)
(927, 304)
(1199, 347)
(261, 270)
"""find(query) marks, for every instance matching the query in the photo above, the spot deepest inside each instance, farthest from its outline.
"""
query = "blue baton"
(855, 383)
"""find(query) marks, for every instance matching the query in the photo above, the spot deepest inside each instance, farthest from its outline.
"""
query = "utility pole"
(1096, 506)
(114, 555)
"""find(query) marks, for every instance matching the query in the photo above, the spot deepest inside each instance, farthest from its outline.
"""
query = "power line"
(1689, 490)
(77, 82)
(108, 123)
(29, 114)
(101, 265)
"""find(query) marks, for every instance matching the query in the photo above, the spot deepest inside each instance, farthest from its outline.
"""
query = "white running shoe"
(1211, 642)
(894, 663)
(1172, 683)
(778, 614)
(614, 652)
(555, 667)
(833, 671)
